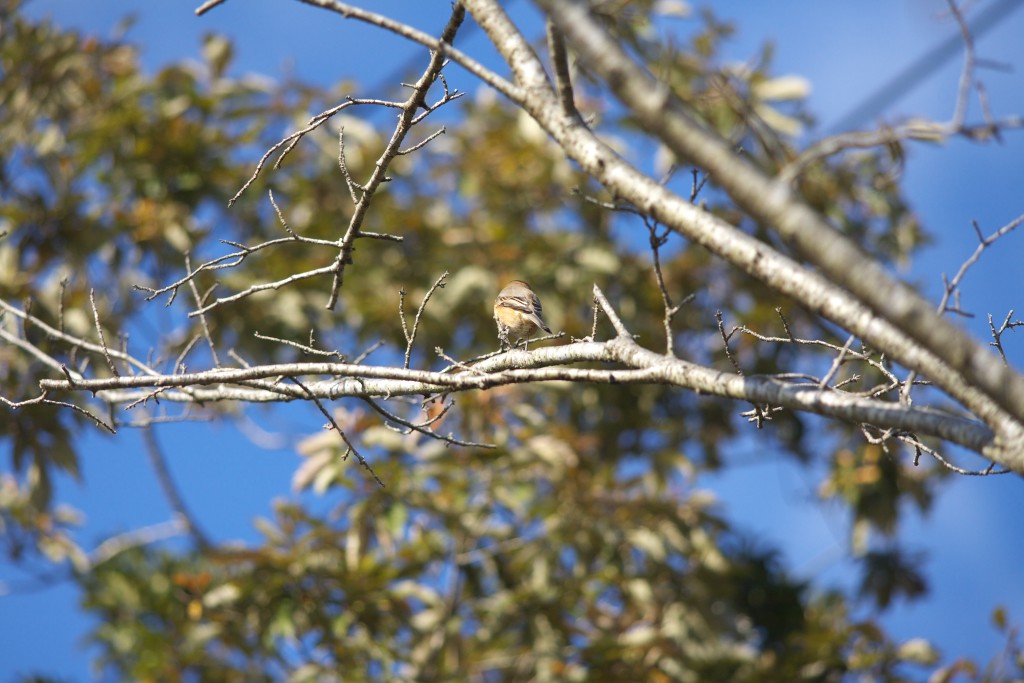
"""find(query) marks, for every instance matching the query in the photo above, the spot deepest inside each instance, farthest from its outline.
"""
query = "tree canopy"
(525, 514)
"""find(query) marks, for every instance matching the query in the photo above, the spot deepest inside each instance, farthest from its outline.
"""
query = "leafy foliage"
(581, 547)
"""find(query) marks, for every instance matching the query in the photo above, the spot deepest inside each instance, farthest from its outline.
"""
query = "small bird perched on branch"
(518, 312)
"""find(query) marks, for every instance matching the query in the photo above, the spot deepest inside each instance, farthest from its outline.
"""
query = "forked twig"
(423, 427)
(410, 336)
(334, 425)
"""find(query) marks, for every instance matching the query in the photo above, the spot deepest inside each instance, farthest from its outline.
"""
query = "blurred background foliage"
(581, 547)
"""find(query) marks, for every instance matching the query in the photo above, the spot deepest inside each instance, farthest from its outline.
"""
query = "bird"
(518, 313)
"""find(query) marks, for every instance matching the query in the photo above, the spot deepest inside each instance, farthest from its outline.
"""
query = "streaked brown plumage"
(518, 313)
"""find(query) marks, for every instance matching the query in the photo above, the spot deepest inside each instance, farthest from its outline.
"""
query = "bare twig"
(370, 349)
(699, 181)
(153, 395)
(82, 411)
(442, 45)
(60, 304)
(465, 365)
(423, 427)
(202, 318)
(179, 362)
(351, 448)
(613, 317)
(288, 143)
(226, 261)
(422, 143)
(997, 335)
(593, 326)
(99, 331)
(306, 349)
(760, 415)
(657, 241)
(410, 336)
(406, 120)
(983, 244)
(353, 187)
(836, 362)
(725, 341)
(921, 448)
(280, 216)
(262, 287)
(951, 288)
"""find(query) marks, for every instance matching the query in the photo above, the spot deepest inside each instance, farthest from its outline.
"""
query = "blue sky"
(846, 50)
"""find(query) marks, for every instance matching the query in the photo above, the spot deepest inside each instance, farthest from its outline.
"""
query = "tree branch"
(635, 365)
(784, 274)
(773, 204)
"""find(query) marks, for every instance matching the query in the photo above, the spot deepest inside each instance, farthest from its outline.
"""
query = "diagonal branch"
(406, 120)
(772, 203)
(780, 272)
(410, 336)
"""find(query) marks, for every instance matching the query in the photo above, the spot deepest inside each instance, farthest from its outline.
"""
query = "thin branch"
(699, 181)
(842, 351)
(620, 329)
(423, 428)
(725, 342)
(406, 120)
(444, 47)
(951, 288)
(99, 332)
(225, 261)
(289, 143)
(202, 318)
(657, 241)
(263, 287)
(28, 319)
(997, 335)
(370, 349)
(424, 142)
(351, 448)
(967, 74)
(170, 489)
(60, 304)
(353, 187)
(466, 365)
(306, 349)
(983, 244)
(82, 411)
(916, 130)
(836, 362)
(920, 448)
(280, 216)
(410, 337)
(149, 535)
(179, 362)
